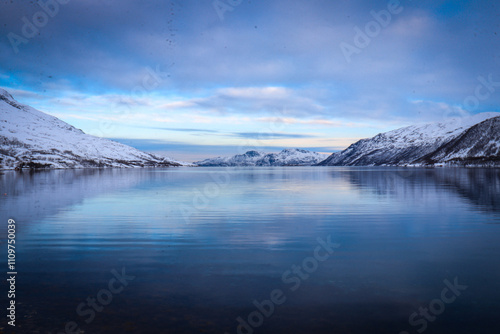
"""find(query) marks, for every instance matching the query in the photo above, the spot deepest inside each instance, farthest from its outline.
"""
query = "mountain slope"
(406, 145)
(479, 145)
(287, 157)
(31, 138)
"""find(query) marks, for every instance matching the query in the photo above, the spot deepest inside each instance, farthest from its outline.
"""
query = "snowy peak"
(405, 146)
(5, 97)
(291, 157)
(287, 157)
(253, 154)
(289, 151)
(249, 158)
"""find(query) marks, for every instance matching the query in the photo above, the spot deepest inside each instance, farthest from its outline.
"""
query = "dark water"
(200, 246)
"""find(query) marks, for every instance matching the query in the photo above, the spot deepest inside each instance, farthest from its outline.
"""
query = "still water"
(254, 250)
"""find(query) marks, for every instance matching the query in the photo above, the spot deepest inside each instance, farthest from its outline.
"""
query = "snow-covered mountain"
(409, 145)
(31, 138)
(479, 145)
(287, 157)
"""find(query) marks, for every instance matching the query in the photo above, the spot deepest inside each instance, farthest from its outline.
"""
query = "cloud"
(74, 116)
(244, 135)
(254, 93)
(437, 111)
(180, 129)
(320, 122)
(254, 100)
(269, 135)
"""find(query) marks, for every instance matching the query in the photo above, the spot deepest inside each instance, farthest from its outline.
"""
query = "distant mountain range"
(468, 141)
(288, 157)
(32, 139)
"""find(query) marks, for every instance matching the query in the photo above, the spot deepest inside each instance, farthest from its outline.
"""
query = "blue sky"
(191, 81)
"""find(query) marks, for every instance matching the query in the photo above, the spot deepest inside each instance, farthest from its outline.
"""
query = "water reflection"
(32, 196)
(401, 231)
(480, 187)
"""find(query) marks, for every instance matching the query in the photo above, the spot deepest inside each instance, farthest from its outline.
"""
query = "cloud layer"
(176, 62)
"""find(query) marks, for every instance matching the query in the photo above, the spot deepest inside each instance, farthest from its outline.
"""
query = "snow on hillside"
(406, 145)
(250, 158)
(440, 131)
(31, 138)
(478, 145)
(291, 157)
(287, 157)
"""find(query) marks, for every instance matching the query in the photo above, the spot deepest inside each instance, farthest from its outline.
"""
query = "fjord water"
(204, 244)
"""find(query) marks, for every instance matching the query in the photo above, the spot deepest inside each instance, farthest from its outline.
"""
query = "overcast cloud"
(143, 63)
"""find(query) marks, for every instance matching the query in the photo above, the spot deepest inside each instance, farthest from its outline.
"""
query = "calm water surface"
(205, 245)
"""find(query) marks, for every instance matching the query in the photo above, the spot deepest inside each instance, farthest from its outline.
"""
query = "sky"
(193, 79)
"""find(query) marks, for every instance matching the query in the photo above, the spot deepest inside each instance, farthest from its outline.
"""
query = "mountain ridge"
(413, 145)
(287, 157)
